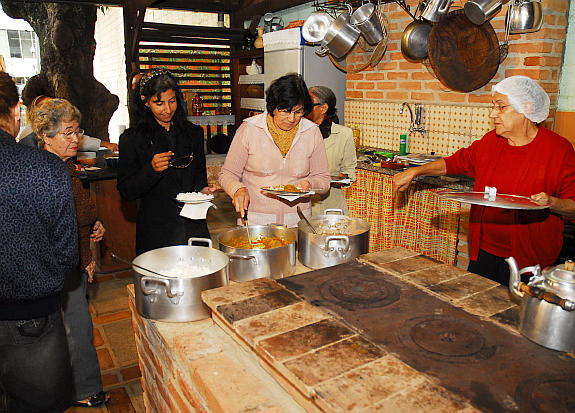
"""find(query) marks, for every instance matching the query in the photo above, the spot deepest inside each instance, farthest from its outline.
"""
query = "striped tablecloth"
(415, 219)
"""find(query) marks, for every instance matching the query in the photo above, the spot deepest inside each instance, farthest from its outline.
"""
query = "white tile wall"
(447, 127)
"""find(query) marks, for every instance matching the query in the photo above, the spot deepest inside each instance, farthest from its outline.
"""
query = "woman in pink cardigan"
(277, 147)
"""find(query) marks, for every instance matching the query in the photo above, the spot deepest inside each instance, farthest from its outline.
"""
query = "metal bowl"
(315, 27)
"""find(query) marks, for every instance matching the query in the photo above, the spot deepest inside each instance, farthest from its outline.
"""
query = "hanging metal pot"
(366, 19)
(340, 37)
(414, 40)
(480, 11)
(525, 16)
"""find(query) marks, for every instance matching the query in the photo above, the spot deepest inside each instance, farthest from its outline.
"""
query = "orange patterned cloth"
(416, 219)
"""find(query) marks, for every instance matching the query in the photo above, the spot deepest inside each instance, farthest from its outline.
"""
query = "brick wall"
(537, 55)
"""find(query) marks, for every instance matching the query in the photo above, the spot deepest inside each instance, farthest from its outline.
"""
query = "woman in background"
(339, 146)
(56, 122)
(162, 155)
(277, 147)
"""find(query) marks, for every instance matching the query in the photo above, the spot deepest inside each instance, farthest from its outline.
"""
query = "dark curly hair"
(287, 92)
(153, 84)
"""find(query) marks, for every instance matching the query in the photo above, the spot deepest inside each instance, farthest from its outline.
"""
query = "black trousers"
(35, 371)
(490, 266)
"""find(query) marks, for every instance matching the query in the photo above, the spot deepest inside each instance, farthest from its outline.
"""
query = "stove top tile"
(333, 360)
(509, 317)
(425, 397)
(392, 254)
(250, 307)
(435, 275)
(278, 321)
(489, 302)
(409, 265)
(363, 387)
(463, 286)
(304, 339)
(238, 291)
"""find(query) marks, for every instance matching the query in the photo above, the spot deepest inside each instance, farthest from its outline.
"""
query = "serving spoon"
(139, 266)
(302, 216)
(245, 219)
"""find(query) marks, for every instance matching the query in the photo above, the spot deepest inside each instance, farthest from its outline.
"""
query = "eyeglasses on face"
(499, 108)
(182, 161)
(287, 112)
(69, 134)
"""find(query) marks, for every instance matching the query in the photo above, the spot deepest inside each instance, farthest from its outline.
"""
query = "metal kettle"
(547, 314)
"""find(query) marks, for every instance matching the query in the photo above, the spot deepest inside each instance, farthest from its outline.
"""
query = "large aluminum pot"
(248, 264)
(340, 37)
(547, 313)
(178, 299)
(480, 11)
(339, 239)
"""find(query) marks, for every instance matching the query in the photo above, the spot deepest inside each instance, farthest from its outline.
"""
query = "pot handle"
(174, 295)
(242, 257)
(322, 51)
(204, 240)
(550, 297)
(343, 238)
(336, 211)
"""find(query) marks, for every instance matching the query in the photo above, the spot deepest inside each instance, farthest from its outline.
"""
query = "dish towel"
(196, 211)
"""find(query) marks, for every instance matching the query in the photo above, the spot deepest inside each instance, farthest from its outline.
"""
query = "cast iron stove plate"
(470, 356)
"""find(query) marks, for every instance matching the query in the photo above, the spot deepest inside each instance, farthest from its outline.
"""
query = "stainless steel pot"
(339, 239)
(547, 314)
(414, 39)
(178, 299)
(340, 37)
(435, 9)
(480, 11)
(249, 264)
(525, 16)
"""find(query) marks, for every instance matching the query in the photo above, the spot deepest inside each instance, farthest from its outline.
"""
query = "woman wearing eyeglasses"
(56, 122)
(339, 146)
(519, 157)
(162, 154)
(277, 147)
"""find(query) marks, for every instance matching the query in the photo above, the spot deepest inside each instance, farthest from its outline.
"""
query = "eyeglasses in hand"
(182, 161)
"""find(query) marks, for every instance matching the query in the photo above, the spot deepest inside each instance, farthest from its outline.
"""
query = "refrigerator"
(284, 53)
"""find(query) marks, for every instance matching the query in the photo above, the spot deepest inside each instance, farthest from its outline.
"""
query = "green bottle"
(403, 144)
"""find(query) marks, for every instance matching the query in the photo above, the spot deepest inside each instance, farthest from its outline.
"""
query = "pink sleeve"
(319, 177)
(235, 162)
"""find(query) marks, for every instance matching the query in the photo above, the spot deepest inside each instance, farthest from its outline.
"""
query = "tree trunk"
(67, 46)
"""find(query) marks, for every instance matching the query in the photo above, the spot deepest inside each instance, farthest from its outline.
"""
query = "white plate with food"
(193, 197)
(286, 190)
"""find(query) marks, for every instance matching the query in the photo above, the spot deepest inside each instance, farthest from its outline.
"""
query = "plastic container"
(402, 144)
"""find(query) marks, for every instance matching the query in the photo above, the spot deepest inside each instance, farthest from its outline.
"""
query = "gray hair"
(326, 96)
(47, 116)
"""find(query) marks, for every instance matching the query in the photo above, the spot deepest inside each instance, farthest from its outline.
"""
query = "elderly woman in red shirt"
(519, 157)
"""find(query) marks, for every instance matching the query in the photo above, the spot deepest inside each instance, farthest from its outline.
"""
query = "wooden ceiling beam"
(225, 6)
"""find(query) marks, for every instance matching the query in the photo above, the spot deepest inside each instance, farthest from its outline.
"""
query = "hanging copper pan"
(464, 56)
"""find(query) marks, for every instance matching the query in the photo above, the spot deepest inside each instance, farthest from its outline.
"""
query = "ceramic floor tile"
(302, 340)
(488, 303)
(463, 286)
(123, 345)
(278, 321)
(109, 297)
(333, 360)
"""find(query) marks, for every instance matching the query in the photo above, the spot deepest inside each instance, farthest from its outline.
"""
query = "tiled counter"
(268, 350)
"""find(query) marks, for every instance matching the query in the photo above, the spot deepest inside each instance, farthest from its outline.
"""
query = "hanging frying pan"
(464, 56)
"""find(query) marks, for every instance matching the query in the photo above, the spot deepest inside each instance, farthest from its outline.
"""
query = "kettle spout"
(514, 278)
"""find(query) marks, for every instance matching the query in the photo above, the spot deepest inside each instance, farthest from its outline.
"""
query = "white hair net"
(526, 97)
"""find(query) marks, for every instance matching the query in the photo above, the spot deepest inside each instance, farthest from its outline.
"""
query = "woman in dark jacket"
(161, 156)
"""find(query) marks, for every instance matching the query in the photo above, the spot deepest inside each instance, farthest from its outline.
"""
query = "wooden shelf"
(240, 60)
